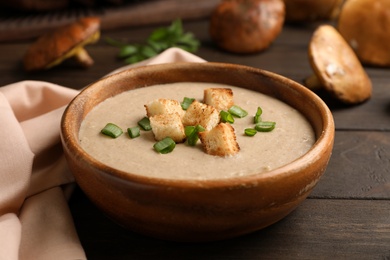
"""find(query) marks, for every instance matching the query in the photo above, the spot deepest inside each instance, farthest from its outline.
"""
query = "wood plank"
(154, 12)
(317, 229)
(359, 167)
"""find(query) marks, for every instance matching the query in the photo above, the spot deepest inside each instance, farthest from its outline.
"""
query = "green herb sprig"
(158, 41)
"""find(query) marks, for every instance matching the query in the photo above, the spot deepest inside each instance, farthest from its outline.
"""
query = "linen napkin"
(35, 183)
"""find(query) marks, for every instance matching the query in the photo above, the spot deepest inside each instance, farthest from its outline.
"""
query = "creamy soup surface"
(292, 137)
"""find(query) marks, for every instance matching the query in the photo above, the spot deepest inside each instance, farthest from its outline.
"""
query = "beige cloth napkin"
(35, 221)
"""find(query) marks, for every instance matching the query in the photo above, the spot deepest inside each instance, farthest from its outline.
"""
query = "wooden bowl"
(194, 211)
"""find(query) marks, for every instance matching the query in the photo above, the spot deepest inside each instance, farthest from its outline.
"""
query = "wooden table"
(347, 216)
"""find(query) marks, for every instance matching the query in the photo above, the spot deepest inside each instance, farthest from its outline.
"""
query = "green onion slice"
(199, 128)
(112, 130)
(226, 117)
(188, 130)
(250, 131)
(192, 134)
(257, 117)
(186, 102)
(237, 111)
(144, 123)
(134, 131)
(265, 126)
(165, 146)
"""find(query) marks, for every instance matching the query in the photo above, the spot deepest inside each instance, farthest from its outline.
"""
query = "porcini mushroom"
(312, 10)
(365, 24)
(246, 26)
(62, 43)
(336, 67)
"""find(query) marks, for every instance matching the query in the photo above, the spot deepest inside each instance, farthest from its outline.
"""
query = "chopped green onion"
(250, 131)
(265, 126)
(186, 102)
(237, 111)
(188, 130)
(165, 146)
(159, 40)
(192, 134)
(199, 128)
(112, 130)
(127, 51)
(144, 123)
(226, 117)
(193, 139)
(257, 117)
(134, 131)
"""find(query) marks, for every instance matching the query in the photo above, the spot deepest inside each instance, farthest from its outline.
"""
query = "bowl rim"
(324, 140)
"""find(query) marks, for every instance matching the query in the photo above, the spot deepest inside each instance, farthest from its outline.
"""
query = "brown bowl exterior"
(194, 211)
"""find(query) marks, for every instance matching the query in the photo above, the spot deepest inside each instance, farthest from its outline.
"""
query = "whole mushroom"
(336, 67)
(365, 24)
(246, 26)
(62, 43)
(312, 10)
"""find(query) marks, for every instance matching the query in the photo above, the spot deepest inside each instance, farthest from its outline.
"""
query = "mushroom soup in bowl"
(189, 194)
(292, 137)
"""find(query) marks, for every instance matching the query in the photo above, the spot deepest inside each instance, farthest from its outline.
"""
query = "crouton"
(201, 114)
(220, 98)
(220, 141)
(164, 106)
(168, 125)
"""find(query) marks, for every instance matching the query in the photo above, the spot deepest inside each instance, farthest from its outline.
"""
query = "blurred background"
(27, 19)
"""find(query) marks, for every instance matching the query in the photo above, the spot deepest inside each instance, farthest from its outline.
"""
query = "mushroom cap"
(337, 66)
(312, 10)
(246, 26)
(365, 24)
(61, 43)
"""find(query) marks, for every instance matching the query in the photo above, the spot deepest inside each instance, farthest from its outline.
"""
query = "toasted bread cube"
(164, 106)
(201, 114)
(220, 141)
(220, 98)
(168, 125)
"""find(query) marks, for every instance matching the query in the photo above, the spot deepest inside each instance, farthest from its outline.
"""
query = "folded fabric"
(35, 221)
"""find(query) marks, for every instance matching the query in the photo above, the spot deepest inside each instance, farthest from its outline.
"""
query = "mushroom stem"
(83, 58)
(312, 82)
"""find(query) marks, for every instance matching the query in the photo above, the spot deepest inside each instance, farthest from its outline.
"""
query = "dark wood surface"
(347, 216)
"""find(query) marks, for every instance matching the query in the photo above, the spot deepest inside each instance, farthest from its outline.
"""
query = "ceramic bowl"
(207, 210)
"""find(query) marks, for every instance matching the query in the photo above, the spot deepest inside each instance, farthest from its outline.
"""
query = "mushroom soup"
(292, 137)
